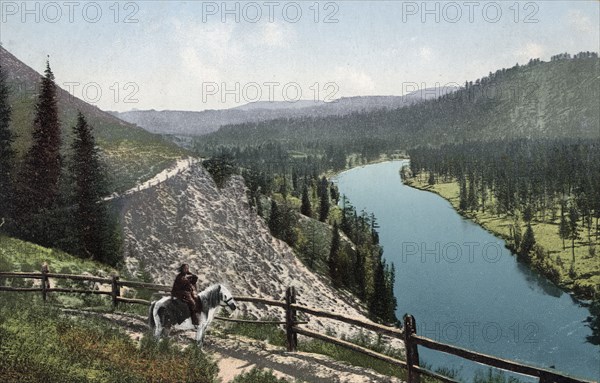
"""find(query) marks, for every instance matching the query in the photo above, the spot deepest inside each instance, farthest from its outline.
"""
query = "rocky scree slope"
(188, 219)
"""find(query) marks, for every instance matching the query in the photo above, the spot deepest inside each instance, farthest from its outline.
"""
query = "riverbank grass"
(582, 276)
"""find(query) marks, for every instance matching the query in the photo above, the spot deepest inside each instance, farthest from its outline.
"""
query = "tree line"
(550, 181)
(52, 196)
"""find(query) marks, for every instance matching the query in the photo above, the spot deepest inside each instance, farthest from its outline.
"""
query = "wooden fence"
(293, 327)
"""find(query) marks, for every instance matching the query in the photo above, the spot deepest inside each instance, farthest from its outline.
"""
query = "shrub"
(258, 376)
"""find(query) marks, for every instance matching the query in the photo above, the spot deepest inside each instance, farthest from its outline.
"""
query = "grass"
(38, 343)
(17, 255)
(552, 260)
(270, 333)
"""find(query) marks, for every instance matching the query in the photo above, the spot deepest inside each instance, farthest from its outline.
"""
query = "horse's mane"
(211, 296)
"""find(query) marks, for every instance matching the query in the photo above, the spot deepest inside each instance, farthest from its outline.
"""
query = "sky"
(199, 55)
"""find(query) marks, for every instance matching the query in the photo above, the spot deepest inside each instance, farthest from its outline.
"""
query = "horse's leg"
(201, 329)
(157, 323)
(206, 323)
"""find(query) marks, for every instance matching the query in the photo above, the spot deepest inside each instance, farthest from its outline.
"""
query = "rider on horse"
(184, 288)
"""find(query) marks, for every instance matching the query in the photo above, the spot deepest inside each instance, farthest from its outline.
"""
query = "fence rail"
(408, 333)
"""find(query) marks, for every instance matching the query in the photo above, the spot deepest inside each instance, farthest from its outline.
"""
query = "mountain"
(132, 154)
(200, 123)
(278, 105)
(539, 100)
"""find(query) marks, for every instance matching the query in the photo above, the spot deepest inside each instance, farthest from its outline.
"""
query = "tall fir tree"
(378, 301)
(528, 242)
(7, 153)
(563, 226)
(324, 200)
(97, 236)
(274, 221)
(359, 274)
(464, 202)
(39, 181)
(306, 208)
(573, 228)
(471, 195)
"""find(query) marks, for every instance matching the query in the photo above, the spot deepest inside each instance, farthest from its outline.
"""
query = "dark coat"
(184, 286)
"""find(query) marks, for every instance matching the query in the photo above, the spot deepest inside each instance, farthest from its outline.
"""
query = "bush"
(259, 376)
(221, 168)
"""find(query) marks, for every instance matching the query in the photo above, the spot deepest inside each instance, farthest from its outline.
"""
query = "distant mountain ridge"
(199, 123)
(554, 99)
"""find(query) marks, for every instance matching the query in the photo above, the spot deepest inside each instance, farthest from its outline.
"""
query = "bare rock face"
(188, 219)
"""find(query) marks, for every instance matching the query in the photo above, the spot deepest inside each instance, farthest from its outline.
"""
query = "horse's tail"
(151, 315)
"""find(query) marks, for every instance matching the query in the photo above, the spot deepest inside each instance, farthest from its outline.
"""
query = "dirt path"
(237, 354)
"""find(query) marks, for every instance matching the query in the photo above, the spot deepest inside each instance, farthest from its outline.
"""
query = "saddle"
(177, 310)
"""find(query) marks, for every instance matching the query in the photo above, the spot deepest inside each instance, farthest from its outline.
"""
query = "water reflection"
(537, 282)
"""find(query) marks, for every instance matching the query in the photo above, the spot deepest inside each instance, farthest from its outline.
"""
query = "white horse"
(172, 313)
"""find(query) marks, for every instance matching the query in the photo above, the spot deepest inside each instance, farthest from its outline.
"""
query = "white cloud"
(425, 53)
(530, 50)
(353, 82)
(581, 22)
(275, 35)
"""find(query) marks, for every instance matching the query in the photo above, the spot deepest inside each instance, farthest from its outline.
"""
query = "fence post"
(116, 290)
(45, 281)
(547, 378)
(290, 319)
(412, 353)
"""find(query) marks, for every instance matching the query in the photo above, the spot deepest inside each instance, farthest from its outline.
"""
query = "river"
(463, 286)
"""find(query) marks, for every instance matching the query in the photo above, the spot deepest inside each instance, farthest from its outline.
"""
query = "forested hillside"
(537, 100)
(131, 153)
(60, 157)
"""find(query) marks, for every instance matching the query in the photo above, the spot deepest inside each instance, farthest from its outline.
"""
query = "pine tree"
(7, 153)
(391, 299)
(516, 232)
(324, 200)
(431, 180)
(464, 203)
(335, 193)
(528, 242)
(471, 196)
(573, 229)
(334, 256)
(563, 226)
(96, 237)
(39, 181)
(528, 213)
(275, 220)
(282, 223)
(359, 274)
(306, 208)
(378, 301)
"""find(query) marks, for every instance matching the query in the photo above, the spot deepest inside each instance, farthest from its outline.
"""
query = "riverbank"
(581, 278)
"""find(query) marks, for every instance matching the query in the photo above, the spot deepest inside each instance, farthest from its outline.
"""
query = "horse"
(171, 313)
